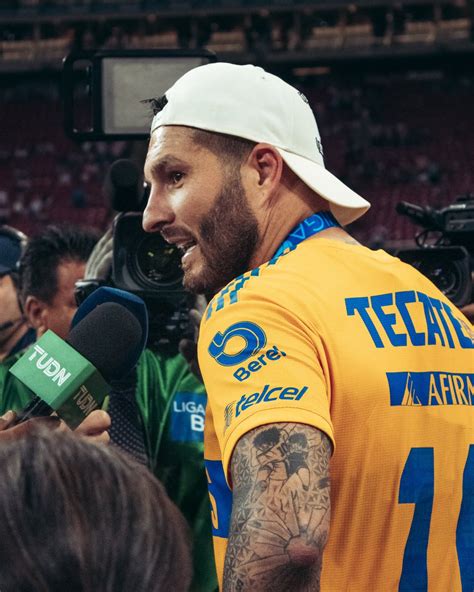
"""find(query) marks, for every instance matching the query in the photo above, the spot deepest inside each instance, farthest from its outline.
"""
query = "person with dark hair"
(50, 265)
(49, 268)
(78, 517)
(357, 360)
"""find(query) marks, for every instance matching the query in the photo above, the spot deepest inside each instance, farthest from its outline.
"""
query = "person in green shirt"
(37, 279)
(172, 403)
(14, 395)
(36, 288)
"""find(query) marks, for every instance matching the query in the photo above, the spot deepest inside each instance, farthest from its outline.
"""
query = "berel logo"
(271, 355)
(251, 337)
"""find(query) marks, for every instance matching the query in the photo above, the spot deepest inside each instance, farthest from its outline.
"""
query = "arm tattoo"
(281, 509)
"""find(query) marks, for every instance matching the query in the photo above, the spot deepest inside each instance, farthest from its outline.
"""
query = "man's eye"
(176, 176)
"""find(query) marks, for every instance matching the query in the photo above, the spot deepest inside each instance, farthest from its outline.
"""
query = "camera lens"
(157, 262)
(445, 274)
(448, 267)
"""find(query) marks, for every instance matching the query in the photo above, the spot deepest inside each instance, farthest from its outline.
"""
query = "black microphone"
(70, 376)
(124, 186)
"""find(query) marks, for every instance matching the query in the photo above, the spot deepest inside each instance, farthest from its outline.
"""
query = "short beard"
(228, 238)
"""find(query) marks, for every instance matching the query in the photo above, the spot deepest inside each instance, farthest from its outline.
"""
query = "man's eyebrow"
(151, 169)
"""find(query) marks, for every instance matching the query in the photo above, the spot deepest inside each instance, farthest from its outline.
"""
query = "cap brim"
(345, 204)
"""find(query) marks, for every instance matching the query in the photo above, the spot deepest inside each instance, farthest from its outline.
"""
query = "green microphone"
(70, 377)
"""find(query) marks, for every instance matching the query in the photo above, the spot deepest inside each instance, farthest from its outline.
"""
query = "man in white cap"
(339, 379)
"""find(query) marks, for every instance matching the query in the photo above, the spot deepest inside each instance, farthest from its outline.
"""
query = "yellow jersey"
(363, 347)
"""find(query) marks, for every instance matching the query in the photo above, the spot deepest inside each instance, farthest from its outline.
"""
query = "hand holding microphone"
(95, 427)
(10, 431)
(126, 430)
(69, 377)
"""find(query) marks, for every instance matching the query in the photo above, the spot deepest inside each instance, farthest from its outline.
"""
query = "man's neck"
(337, 234)
(277, 228)
(7, 342)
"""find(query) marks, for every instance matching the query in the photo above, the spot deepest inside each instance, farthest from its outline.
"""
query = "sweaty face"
(199, 204)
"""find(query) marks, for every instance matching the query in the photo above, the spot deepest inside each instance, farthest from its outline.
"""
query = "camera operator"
(52, 263)
(158, 417)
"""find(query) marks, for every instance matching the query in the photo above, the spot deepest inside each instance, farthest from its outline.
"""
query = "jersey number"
(417, 487)
(220, 496)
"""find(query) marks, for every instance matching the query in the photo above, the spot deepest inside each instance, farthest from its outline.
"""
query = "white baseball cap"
(247, 102)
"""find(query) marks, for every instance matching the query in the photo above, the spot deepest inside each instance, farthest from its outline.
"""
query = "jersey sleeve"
(262, 365)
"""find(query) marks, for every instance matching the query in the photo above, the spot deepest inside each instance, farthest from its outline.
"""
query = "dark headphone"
(15, 236)
(21, 239)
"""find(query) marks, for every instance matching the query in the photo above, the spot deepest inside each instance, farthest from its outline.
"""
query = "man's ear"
(265, 167)
(36, 313)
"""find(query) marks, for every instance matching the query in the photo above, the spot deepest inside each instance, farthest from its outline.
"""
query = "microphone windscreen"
(109, 337)
(133, 303)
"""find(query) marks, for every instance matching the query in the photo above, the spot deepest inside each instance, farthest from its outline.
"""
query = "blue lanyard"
(309, 227)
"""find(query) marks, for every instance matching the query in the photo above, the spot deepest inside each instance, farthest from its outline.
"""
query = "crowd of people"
(270, 455)
(251, 26)
(389, 154)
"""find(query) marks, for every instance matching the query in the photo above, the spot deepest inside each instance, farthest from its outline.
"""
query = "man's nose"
(157, 213)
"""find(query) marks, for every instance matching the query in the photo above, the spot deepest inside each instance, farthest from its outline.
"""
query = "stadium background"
(392, 85)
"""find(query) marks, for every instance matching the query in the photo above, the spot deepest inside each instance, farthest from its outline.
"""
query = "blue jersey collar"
(309, 227)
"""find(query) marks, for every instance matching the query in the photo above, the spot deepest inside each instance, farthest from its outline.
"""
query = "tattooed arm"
(281, 509)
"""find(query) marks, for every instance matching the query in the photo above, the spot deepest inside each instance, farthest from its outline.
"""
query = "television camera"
(107, 96)
(445, 246)
(143, 263)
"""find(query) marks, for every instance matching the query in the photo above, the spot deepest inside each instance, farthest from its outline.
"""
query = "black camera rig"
(104, 94)
(445, 252)
(146, 265)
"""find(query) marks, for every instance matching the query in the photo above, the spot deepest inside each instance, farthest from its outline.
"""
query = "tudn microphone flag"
(70, 377)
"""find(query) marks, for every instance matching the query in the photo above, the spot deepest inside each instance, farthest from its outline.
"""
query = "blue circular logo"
(253, 336)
